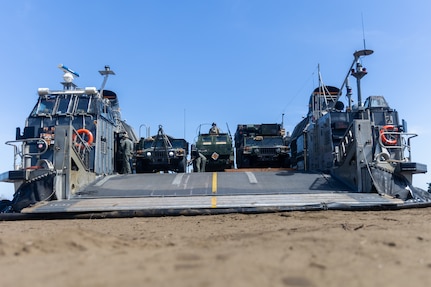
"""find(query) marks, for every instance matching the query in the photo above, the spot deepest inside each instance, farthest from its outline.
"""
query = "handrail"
(21, 153)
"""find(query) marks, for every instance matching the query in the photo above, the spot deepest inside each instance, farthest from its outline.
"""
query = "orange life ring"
(384, 138)
(33, 167)
(87, 141)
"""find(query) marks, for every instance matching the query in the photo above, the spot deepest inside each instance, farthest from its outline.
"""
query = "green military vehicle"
(217, 149)
(161, 153)
(261, 145)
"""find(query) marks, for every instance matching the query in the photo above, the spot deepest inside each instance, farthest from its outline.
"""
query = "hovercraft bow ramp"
(210, 193)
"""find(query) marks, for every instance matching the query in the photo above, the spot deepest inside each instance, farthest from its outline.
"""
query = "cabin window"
(82, 106)
(34, 111)
(63, 106)
(92, 108)
(376, 102)
(106, 112)
(44, 107)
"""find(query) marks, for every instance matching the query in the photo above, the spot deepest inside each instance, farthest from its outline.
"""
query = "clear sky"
(183, 63)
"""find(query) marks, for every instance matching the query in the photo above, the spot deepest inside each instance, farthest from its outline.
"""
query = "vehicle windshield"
(206, 140)
(218, 139)
(265, 141)
(160, 143)
(221, 139)
(178, 143)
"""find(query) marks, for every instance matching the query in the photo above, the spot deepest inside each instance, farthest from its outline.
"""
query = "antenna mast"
(105, 73)
(363, 30)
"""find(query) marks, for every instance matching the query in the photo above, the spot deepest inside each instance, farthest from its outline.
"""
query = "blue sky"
(184, 63)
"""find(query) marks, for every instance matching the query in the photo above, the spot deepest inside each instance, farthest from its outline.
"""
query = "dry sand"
(325, 248)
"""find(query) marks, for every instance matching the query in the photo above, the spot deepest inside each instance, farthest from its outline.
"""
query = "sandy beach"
(304, 249)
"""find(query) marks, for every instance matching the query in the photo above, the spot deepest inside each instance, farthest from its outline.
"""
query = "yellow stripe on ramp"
(214, 190)
(214, 185)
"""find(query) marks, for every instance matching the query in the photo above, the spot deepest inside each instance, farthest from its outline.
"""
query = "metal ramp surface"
(220, 183)
(210, 193)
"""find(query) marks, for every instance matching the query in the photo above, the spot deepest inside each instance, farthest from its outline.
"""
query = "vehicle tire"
(237, 161)
(182, 166)
(286, 162)
(141, 167)
(138, 167)
(245, 162)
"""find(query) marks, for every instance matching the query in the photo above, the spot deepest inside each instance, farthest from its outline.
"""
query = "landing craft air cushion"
(67, 163)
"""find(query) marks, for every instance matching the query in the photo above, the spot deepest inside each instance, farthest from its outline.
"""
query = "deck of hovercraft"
(213, 193)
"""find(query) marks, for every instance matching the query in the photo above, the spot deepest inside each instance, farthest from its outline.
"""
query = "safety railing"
(397, 141)
(22, 151)
(82, 148)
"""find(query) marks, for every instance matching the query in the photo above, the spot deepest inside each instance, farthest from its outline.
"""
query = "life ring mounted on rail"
(386, 135)
(87, 138)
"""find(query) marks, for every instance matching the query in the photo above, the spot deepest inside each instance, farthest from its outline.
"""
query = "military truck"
(217, 149)
(261, 145)
(161, 153)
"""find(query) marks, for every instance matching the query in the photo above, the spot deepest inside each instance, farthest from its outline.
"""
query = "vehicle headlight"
(148, 153)
(171, 153)
(256, 151)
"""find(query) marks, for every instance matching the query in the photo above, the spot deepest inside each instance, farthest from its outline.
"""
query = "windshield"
(222, 139)
(218, 139)
(265, 141)
(63, 104)
(82, 106)
(45, 106)
(160, 143)
(376, 102)
(178, 143)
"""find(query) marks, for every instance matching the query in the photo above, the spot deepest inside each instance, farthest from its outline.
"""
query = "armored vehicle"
(261, 145)
(161, 153)
(217, 149)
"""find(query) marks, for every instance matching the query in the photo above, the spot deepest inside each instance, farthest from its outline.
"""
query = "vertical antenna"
(184, 123)
(363, 30)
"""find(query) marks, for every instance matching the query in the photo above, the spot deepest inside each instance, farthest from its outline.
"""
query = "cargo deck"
(210, 193)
